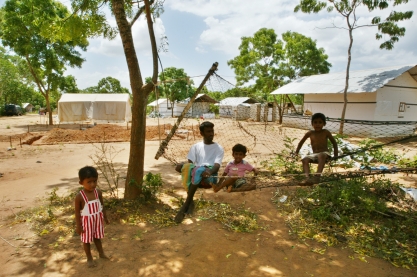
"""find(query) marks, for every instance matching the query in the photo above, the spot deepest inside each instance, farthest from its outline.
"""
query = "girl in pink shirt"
(235, 170)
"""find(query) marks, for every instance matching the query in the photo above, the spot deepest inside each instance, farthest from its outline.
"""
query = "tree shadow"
(375, 81)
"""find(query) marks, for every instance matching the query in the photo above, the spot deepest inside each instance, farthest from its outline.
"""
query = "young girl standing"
(89, 213)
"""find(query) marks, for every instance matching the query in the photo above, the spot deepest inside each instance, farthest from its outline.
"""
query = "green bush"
(151, 185)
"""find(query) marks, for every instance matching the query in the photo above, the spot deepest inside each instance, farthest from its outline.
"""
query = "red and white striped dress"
(92, 219)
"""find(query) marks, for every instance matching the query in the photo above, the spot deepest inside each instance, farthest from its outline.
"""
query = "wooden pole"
(11, 146)
(20, 142)
(164, 144)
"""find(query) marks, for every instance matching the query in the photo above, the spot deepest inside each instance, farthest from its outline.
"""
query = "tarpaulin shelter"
(107, 107)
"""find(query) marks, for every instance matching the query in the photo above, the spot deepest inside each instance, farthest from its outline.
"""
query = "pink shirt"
(239, 169)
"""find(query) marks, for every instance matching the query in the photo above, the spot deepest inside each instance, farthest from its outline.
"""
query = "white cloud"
(228, 21)
(114, 48)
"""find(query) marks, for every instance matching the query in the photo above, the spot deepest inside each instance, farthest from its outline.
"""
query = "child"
(318, 140)
(235, 170)
(89, 213)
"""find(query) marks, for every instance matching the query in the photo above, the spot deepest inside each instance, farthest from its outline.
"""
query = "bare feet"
(190, 209)
(103, 256)
(215, 188)
(229, 189)
(180, 216)
(91, 263)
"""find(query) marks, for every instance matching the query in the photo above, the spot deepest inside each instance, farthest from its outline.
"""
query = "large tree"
(386, 28)
(126, 14)
(271, 62)
(24, 28)
(175, 85)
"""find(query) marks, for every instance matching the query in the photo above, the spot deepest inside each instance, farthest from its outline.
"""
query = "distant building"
(200, 106)
(236, 107)
(374, 95)
(28, 107)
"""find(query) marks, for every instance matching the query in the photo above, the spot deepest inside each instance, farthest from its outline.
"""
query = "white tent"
(73, 107)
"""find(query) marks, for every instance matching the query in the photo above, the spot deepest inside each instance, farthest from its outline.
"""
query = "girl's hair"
(206, 124)
(87, 172)
(239, 148)
(318, 115)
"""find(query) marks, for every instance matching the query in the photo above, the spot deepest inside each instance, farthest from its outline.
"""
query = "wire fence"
(256, 126)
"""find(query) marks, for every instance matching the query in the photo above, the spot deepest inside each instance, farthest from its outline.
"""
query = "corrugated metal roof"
(234, 101)
(201, 96)
(94, 97)
(359, 81)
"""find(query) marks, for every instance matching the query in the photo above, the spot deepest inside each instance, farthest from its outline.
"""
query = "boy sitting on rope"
(318, 139)
(235, 170)
(204, 160)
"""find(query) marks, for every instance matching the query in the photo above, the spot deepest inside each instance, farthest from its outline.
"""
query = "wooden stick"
(164, 144)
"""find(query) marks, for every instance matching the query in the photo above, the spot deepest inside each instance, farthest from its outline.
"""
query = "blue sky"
(201, 32)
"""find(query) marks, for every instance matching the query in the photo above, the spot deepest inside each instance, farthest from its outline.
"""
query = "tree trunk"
(345, 100)
(48, 107)
(140, 92)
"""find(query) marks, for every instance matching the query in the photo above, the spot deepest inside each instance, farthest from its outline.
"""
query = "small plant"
(374, 153)
(284, 162)
(408, 162)
(151, 185)
(103, 161)
(8, 127)
(372, 218)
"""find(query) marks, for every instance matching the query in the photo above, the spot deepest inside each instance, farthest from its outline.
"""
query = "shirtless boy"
(318, 139)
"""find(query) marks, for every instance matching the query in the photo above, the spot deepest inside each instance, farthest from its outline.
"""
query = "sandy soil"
(193, 248)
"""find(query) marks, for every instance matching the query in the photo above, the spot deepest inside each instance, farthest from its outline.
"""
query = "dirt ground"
(193, 248)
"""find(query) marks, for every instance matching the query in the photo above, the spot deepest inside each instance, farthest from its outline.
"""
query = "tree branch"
(139, 12)
(153, 41)
(37, 80)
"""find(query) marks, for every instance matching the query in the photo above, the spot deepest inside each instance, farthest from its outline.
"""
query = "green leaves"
(107, 85)
(175, 84)
(271, 62)
(387, 27)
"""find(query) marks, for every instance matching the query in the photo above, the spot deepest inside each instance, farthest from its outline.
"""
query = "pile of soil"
(16, 137)
(99, 133)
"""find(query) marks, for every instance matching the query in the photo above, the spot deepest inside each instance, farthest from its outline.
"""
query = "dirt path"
(194, 248)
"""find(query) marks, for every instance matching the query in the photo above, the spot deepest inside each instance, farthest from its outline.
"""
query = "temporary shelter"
(28, 107)
(200, 106)
(374, 95)
(73, 107)
(238, 107)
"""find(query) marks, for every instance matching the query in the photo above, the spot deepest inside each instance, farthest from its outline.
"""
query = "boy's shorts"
(239, 182)
(315, 157)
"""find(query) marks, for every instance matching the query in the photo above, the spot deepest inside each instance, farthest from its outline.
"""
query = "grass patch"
(55, 214)
(374, 219)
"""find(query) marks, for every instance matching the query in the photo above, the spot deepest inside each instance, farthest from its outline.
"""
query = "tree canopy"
(107, 85)
(386, 27)
(175, 85)
(15, 80)
(266, 62)
(24, 26)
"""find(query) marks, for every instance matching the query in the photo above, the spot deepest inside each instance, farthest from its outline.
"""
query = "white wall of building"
(361, 106)
(402, 89)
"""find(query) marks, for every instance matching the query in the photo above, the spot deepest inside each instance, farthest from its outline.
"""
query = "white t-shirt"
(206, 154)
